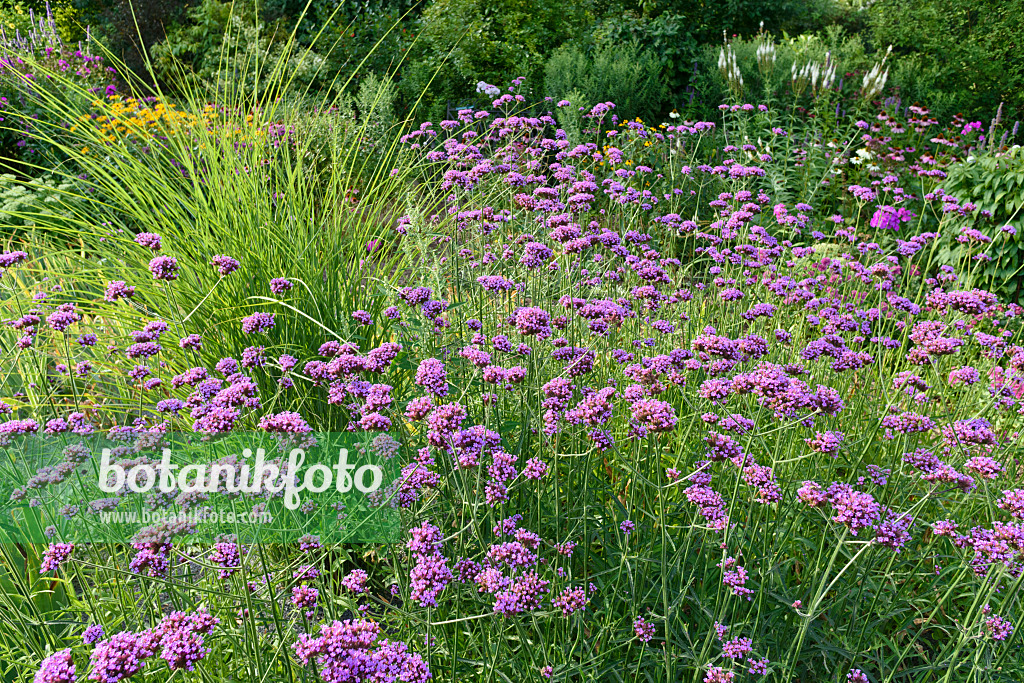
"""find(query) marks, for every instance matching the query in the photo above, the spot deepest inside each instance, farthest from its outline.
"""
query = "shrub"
(993, 181)
(129, 28)
(627, 75)
(677, 31)
(462, 42)
(667, 36)
(224, 48)
(28, 65)
(26, 203)
(373, 42)
(956, 56)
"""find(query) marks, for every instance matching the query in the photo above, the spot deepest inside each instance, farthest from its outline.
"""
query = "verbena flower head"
(92, 634)
(149, 240)
(432, 376)
(118, 289)
(164, 268)
(280, 285)
(57, 668)
(121, 656)
(54, 556)
(643, 630)
(225, 265)
(257, 322)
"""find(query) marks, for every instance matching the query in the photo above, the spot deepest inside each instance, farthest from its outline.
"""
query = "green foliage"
(994, 182)
(462, 42)
(194, 43)
(956, 56)
(40, 200)
(16, 16)
(666, 36)
(676, 31)
(823, 600)
(706, 21)
(374, 41)
(950, 55)
(326, 51)
(314, 190)
(628, 75)
(375, 103)
(25, 61)
(315, 201)
(775, 85)
(128, 28)
(35, 606)
(226, 46)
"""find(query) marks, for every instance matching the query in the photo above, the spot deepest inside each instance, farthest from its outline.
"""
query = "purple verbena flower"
(57, 668)
(225, 265)
(164, 268)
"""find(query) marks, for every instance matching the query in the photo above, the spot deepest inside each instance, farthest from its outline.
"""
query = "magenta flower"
(997, 628)
(351, 651)
(54, 555)
(657, 416)
(192, 341)
(305, 597)
(228, 556)
(643, 630)
(57, 668)
(164, 268)
(431, 375)
(280, 285)
(286, 422)
(717, 674)
(355, 581)
(12, 258)
(92, 634)
(533, 321)
(118, 289)
(225, 265)
(257, 322)
(149, 240)
(1013, 502)
(121, 656)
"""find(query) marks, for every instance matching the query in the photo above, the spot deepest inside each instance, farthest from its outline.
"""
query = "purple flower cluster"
(57, 668)
(164, 268)
(54, 556)
(179, 639)
(225, 265)
(349, 651)
(257, 322)
(670, 340)
(431, 574)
